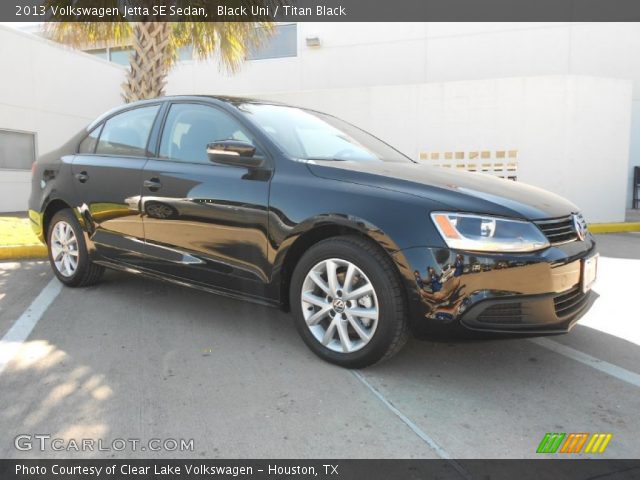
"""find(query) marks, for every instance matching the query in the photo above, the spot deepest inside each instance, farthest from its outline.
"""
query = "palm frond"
(156, 45)
(230, 41)
(83, 33)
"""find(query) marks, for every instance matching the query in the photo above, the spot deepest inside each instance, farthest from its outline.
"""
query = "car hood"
(454, 190)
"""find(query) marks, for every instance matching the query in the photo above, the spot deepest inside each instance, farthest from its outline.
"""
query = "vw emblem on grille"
(339, 305)
(580, 226)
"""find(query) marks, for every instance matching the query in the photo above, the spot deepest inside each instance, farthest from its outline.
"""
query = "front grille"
(503, 313)
(569, 302)
(559, 230)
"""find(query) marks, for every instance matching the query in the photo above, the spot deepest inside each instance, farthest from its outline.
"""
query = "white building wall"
(355, 54)
(377, 54)
(51, 91)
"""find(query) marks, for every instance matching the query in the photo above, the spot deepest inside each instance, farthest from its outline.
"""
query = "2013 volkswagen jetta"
(298, 209)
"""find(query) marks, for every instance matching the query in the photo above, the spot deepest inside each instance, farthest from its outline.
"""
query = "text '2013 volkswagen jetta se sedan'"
(298, 209)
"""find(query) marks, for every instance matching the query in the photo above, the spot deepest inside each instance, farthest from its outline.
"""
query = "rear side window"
(127, 134)
(189, 128)
(88, 145)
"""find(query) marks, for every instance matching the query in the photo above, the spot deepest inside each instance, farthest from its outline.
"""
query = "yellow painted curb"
(614, 227)
(17, 252)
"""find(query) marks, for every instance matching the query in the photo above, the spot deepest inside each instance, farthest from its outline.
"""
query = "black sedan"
(297, 209)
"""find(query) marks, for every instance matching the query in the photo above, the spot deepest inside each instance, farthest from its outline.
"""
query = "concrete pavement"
(134, 358)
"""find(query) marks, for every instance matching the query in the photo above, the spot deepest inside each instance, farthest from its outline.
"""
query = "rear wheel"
(68, 252)
(348, 302)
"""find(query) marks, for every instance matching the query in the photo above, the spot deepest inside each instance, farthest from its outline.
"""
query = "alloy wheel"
(64, 249)
(339, 305)
(157, 210)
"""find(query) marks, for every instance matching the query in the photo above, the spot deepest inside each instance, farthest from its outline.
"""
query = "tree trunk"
(150, 61)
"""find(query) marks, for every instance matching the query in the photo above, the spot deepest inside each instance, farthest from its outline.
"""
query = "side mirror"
(234, 152)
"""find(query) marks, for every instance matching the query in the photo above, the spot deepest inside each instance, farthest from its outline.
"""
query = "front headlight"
(463, 231)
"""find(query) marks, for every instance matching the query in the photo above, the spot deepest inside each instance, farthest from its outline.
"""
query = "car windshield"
(310, 135)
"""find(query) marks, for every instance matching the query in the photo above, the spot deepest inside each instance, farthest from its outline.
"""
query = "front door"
(107, 175)
(205, 222)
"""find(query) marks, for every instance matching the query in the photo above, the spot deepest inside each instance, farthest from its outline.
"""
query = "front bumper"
(536, 292)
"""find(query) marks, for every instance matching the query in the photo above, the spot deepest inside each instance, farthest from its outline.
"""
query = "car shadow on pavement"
(139, 358)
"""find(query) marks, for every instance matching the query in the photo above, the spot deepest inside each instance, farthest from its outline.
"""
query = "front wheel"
(68, 252)
(348, 302)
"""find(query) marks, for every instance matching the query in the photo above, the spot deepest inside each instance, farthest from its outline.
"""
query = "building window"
(119, 55)
(185, 53)
(283, 43)
(102, 53)
(17, 150)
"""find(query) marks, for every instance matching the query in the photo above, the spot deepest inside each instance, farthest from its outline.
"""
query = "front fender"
(337, 222)
(301, 203)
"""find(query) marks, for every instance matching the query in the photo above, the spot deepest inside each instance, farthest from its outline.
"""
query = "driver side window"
(189, 128)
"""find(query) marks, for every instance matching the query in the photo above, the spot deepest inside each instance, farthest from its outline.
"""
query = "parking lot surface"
(134, 358)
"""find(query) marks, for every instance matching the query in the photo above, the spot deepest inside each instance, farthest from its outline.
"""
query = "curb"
(20, 252)
(614, 227)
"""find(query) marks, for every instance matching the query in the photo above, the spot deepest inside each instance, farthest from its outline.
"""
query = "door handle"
(82, 177)
(152, 184)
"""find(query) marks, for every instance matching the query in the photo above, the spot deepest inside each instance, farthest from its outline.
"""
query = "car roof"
(225, 98)
(233, 100)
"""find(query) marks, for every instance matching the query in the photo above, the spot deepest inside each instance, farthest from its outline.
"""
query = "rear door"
(107, 175)
(206, 222)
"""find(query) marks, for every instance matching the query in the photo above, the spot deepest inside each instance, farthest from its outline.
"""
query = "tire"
(65, 237)
(324, 322)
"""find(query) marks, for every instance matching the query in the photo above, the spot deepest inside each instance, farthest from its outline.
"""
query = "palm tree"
(156, 44)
